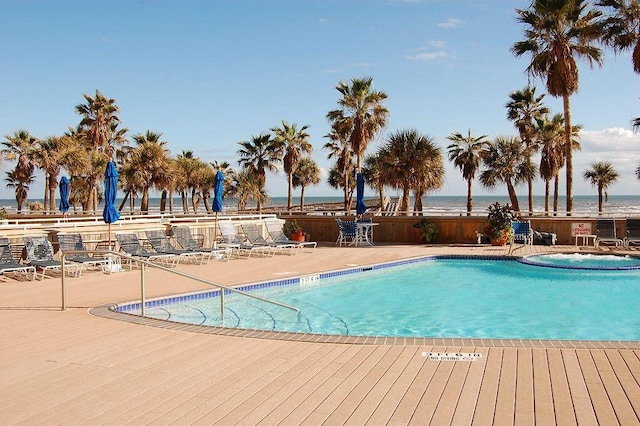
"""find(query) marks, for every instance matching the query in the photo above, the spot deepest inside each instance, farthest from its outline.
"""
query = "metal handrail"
(143, 263)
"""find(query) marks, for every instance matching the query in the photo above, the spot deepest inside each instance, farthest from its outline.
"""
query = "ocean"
(623, 205)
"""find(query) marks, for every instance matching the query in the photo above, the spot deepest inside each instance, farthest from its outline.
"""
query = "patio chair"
(161, 244)
(633, 232)
(254, 236)
(183, 236)
(130, 244)
(231, 239)
(277, 235)
(391, 209)
(40, 255)
(8, 264)
(73, 242)
(348, 232)
(606, 233)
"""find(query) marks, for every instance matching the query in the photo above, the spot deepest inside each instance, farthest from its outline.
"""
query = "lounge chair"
(183, 236)
(254, 236)
(231, 239)
(40, 255)
(130, 244)
(348, 232)
(277, 235)
(633, 232)
(73, 242)
(391, 209)
(161, 244)
(8, 263)
(606, 233)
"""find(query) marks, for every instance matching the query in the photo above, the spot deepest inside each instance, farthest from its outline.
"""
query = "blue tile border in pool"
(153, 303)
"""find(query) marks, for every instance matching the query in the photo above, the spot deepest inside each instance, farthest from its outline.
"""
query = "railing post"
(64, 296)
(222, 305)
(142, 289)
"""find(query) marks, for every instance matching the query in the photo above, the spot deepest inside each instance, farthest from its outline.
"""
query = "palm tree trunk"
(290, 192)
(144, 204)
(512, 196)
(345, 186)
(417, 204)
(547, 189)
(530, 195)
(171, 202)
(53, 185)
(47, 192)
(185, 204)
(469, 197)
(404, 207)
(599, 199)
(163, 201)
(207, 204)
(124, 201)
(302, 198)
(556, 190)
(568, 152)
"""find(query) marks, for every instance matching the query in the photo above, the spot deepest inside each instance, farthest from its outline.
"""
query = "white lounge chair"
(274, 228)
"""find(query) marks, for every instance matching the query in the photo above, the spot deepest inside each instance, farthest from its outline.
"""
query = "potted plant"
(425, 231)
(294, 230)
(499, 223)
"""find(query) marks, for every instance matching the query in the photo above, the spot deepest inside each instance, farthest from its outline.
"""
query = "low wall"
(451, 229)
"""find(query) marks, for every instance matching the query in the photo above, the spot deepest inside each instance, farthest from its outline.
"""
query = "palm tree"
(296, 143)
(307, 173)
(550, 135)
(375, 174)
(505, 162)
(523, 109)
(417, 164)
(150, 161)
(602, 175)
(258, 155)
(21, 146)
(20, 182)
(185, 165)
(465, 154)
(361, 111)
(557, 33)
(99, 129)
(245, 186)
(340, 149)
(48, 156)
(622, 27)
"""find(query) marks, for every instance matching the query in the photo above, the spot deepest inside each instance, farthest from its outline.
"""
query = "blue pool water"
(440, 298)
(583, 261)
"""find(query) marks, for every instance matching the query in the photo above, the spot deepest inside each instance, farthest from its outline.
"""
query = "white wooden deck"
(75, 368)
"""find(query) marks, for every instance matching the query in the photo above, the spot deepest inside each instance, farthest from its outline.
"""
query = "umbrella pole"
(215, 232)
(109, 236)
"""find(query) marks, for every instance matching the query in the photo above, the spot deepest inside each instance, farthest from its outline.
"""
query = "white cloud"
(450, 23)
(428, 56)
(616, 139)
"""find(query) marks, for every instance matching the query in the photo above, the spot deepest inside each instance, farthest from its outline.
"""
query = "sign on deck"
(579, 229)
(452, 356)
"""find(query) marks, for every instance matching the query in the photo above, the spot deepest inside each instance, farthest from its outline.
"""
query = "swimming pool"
(449, 298)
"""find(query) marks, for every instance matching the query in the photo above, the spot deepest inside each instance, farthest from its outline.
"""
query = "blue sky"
(207, 74)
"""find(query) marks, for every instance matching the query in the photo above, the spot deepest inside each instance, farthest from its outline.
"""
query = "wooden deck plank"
(597, 393)
(505, 401)
(387, 407)
(543, 395)
(434, 391)
(485, 411)
(563, 405)
(619, 398)
(406, 409)
(579, 393)
(467, 403)
(446, 408)
(374, 396)
(524, 399)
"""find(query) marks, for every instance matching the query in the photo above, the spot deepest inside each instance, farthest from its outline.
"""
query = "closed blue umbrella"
(110, 214)
(218, 188)
(361, 207)
(217, 192)
(64, 194)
